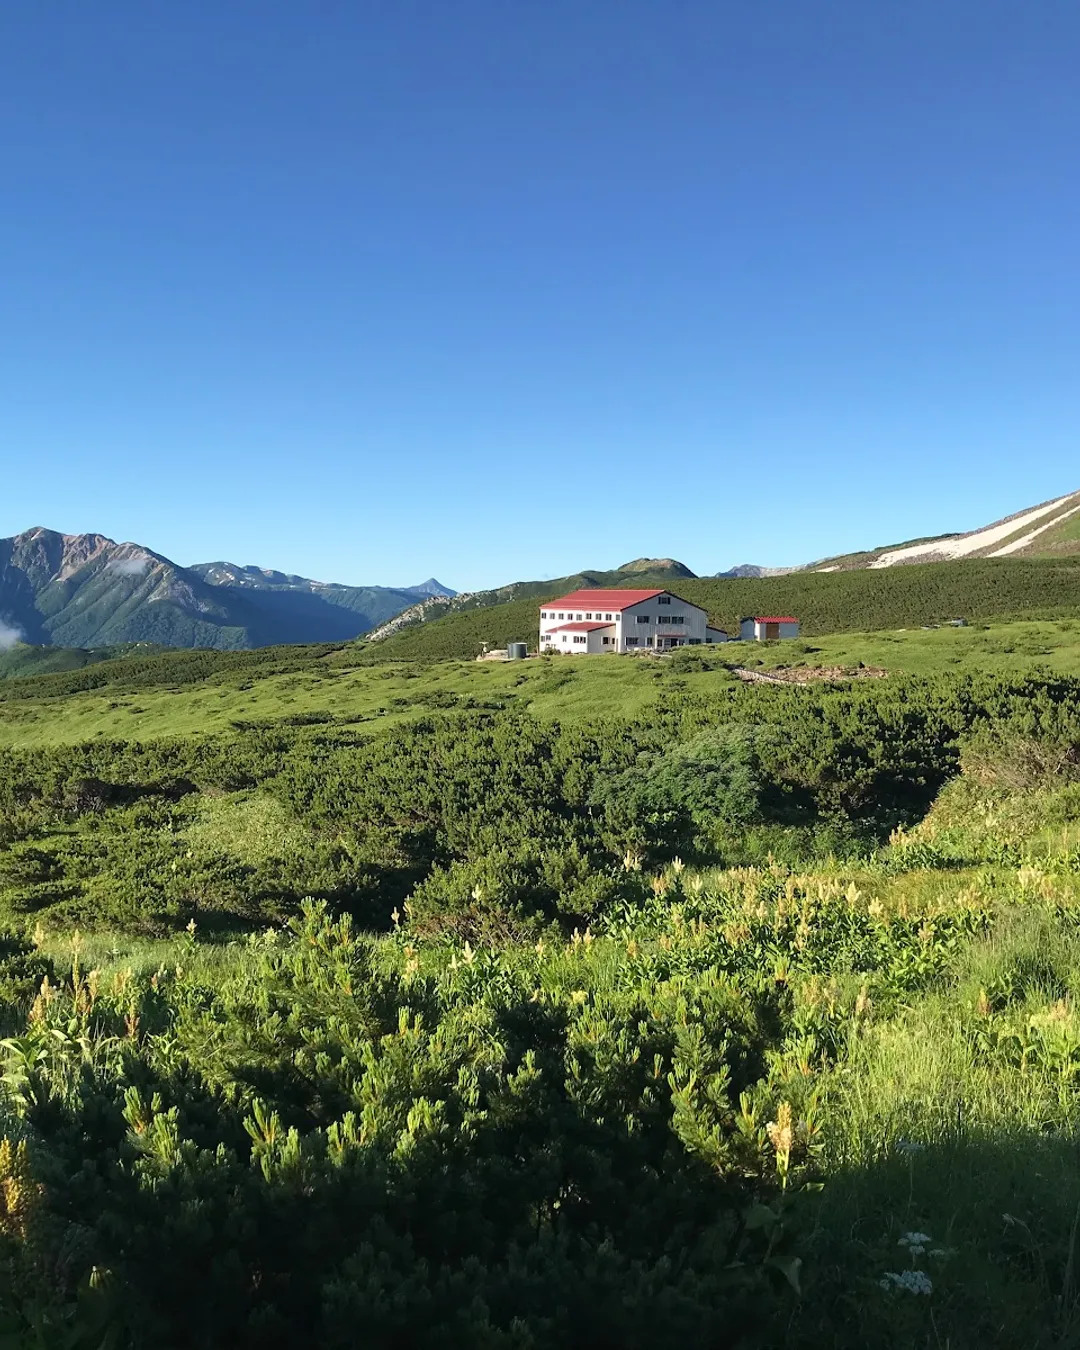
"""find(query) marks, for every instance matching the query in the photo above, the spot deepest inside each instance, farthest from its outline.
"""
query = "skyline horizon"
(436, 576)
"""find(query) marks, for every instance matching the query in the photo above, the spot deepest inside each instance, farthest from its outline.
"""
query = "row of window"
(610, 618)
(582, 639)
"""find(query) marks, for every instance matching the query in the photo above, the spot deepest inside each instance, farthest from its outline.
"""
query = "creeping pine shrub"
(996, 757)
(1037, 744)
(680, 797)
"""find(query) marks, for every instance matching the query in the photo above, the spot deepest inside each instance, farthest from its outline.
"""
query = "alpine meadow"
(615, 1001)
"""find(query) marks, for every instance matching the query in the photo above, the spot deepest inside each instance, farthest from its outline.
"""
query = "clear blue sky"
(495, 289)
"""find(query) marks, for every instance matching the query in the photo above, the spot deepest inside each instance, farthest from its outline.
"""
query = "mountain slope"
(87, 591)
(297, 609)
(1049, 529)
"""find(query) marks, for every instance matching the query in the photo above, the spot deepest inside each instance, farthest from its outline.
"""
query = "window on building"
(670, 618)
(608, 617)
(648, 642)
(580, 637)
(663, 599)
(589, 615)
(562, 616)
(643, 618)
(631, 642)
(693, 642)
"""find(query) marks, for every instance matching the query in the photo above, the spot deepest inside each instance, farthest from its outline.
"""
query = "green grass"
(24, 660)
(926, 1025)
(320, 682)
(993, 647)
(915, 1005)
(1060, 540)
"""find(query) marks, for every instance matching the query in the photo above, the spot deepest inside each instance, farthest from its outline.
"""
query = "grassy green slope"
(191, 693)
(834, 602)
(1061, 540)
(23, 660)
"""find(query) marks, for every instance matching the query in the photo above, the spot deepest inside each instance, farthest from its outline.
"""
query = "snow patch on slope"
(963, 545)
(1018, 544)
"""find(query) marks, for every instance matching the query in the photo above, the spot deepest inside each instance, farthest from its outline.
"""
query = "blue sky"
(497, 289)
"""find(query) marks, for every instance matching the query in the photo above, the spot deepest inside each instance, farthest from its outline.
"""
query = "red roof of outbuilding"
(579, 627)
(600, 599)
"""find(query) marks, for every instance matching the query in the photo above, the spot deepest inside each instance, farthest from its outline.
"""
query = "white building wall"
(597, 646)
(750, 630)
(692, 627)
(624, 625)
(550, 624)
(593, 644)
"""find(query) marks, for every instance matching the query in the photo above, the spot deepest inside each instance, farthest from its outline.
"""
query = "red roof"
(600, 599)
(579, 627)
(761, 620)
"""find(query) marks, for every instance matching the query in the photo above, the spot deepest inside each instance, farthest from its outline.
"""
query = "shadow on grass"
(997, 1222)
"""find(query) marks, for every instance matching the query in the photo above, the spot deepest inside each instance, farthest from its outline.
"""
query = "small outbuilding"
(768, 629)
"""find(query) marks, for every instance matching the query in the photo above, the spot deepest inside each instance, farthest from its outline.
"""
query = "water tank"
(516, 651)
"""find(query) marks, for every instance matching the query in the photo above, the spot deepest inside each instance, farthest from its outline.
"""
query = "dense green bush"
(644, 984)
(483, 822)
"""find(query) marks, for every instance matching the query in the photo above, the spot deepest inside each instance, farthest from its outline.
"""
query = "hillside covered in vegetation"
(573, 1003)
(837, 602)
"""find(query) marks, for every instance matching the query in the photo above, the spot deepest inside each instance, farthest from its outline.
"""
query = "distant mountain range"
(86, 590)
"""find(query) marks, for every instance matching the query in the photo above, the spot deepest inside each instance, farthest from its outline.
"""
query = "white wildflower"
(911, 1281)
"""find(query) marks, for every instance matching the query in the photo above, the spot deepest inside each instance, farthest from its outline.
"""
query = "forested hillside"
(836, 602)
